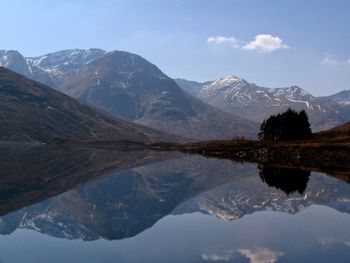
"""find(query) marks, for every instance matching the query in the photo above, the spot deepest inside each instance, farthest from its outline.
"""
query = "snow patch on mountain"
(237, 89)
(234, 89)
(61, 62)
(291, 93)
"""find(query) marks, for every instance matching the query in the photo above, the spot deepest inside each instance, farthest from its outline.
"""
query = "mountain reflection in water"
(99, 194)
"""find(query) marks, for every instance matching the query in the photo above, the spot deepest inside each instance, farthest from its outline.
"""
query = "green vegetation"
(288, 126)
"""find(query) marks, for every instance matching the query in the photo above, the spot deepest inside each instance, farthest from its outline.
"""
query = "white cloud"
(264, 255)
(265, 43)
(331, 60)
(224, 40)
(331, 241)
(326, 241)
(225, 256)
(261, 43)
(216, 257)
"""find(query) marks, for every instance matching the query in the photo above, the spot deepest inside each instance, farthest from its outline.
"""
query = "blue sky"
(273, 43)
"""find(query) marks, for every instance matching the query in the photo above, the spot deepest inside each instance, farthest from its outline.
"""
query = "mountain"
(14, 61)
(50, 68)
(130, 87)
(30, 111)
(235, 95)
(342, 97)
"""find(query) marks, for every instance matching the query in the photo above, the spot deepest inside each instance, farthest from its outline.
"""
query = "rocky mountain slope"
(30, 111)
(128, 86)
(236, 95)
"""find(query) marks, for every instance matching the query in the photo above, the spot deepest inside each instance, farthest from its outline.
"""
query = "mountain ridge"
(234, 94)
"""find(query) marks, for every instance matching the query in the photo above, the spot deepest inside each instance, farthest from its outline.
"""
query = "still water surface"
(79, 205)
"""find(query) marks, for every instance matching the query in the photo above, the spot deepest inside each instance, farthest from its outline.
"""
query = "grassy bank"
(329, 156)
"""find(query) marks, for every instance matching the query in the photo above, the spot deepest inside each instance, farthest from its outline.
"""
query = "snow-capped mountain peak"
(227, 85)
(228, 80)
(291, 93)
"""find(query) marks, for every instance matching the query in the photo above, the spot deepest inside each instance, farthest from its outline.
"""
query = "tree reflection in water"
(289, 180)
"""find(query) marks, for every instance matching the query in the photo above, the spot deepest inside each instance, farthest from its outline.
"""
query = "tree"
(288, 126)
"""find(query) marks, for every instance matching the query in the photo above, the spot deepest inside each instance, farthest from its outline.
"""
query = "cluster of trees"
(287, 126)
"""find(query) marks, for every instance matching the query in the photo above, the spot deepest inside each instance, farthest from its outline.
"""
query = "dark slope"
(341, 132)
(30, 110)
(128, 86)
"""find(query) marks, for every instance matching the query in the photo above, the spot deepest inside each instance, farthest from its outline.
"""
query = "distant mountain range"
(126, 85)
(235, 95)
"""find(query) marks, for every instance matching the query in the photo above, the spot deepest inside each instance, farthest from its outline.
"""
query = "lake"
(84, 205)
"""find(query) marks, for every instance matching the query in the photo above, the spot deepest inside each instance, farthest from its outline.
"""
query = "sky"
(272, 43)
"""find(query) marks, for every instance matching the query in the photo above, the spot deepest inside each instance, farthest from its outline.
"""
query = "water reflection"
(30, 173)
(125, 203)
(289, 180)
(82, 194)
